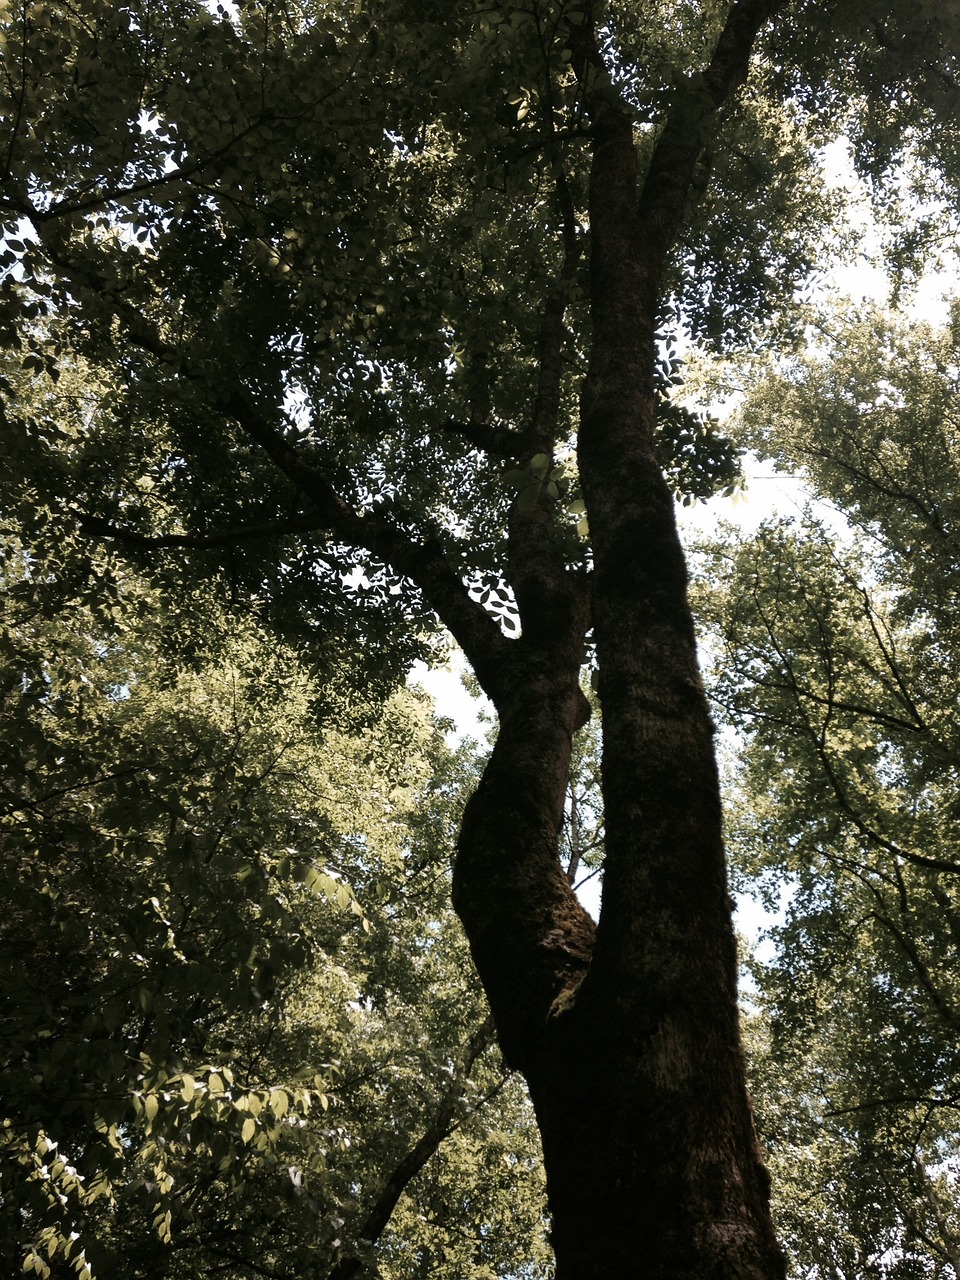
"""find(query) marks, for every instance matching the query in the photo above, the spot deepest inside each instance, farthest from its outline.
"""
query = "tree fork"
(635, 1067)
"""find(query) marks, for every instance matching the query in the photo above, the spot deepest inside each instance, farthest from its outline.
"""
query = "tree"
(214, 1057)
(836, 646)
(379, 307)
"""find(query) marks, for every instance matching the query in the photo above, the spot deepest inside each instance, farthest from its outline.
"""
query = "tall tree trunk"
(629, 1040)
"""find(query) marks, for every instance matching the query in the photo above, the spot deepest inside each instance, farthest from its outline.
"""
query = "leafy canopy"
(836, 654)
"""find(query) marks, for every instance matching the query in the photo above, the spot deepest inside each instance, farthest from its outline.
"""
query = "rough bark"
(531, 940)
(629, 1040)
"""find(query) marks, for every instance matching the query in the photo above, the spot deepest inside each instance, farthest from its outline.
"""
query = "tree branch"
(666, 187)
(899, 1100)
(489, 437)
(911, 951)
(488, 651)
(860, 824)
(199, 542)
(444, 1122)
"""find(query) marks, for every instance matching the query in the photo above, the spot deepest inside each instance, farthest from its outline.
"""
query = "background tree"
(214, 1057)
(378, 309)
(837, 646)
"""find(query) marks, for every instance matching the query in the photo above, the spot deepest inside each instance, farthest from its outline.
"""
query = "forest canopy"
(334, 334)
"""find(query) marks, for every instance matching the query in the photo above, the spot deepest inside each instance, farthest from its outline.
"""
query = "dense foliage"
(837, 652)
(238, 1018)
(326, 327)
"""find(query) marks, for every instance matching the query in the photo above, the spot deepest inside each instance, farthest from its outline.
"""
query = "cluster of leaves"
(836, 656)
(281, 200)
(696, 457)
(872, 48)
(884, 77)
(247, 1021)
(295, 199)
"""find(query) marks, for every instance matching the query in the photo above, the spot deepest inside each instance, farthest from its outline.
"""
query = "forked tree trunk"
(628, 1037)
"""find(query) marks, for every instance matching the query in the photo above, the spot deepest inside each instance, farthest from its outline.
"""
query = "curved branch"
(846, 805)
(488, 651)
(444, 1123)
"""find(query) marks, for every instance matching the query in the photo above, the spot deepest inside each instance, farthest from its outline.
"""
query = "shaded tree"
(380, 307)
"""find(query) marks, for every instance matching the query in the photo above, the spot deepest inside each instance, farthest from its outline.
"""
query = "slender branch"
(233, 1258)
(899, 1100)
(23, 802)
(912, 953)
(821, 748)
(886, 643)
(574, 825)
(866, 713)
(948, 1246)
(199, 542)
(444, 1122)
(99, 199)
(890, 488)
(869, 832)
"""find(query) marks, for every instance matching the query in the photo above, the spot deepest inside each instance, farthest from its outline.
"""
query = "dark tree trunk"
(628, 1037)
